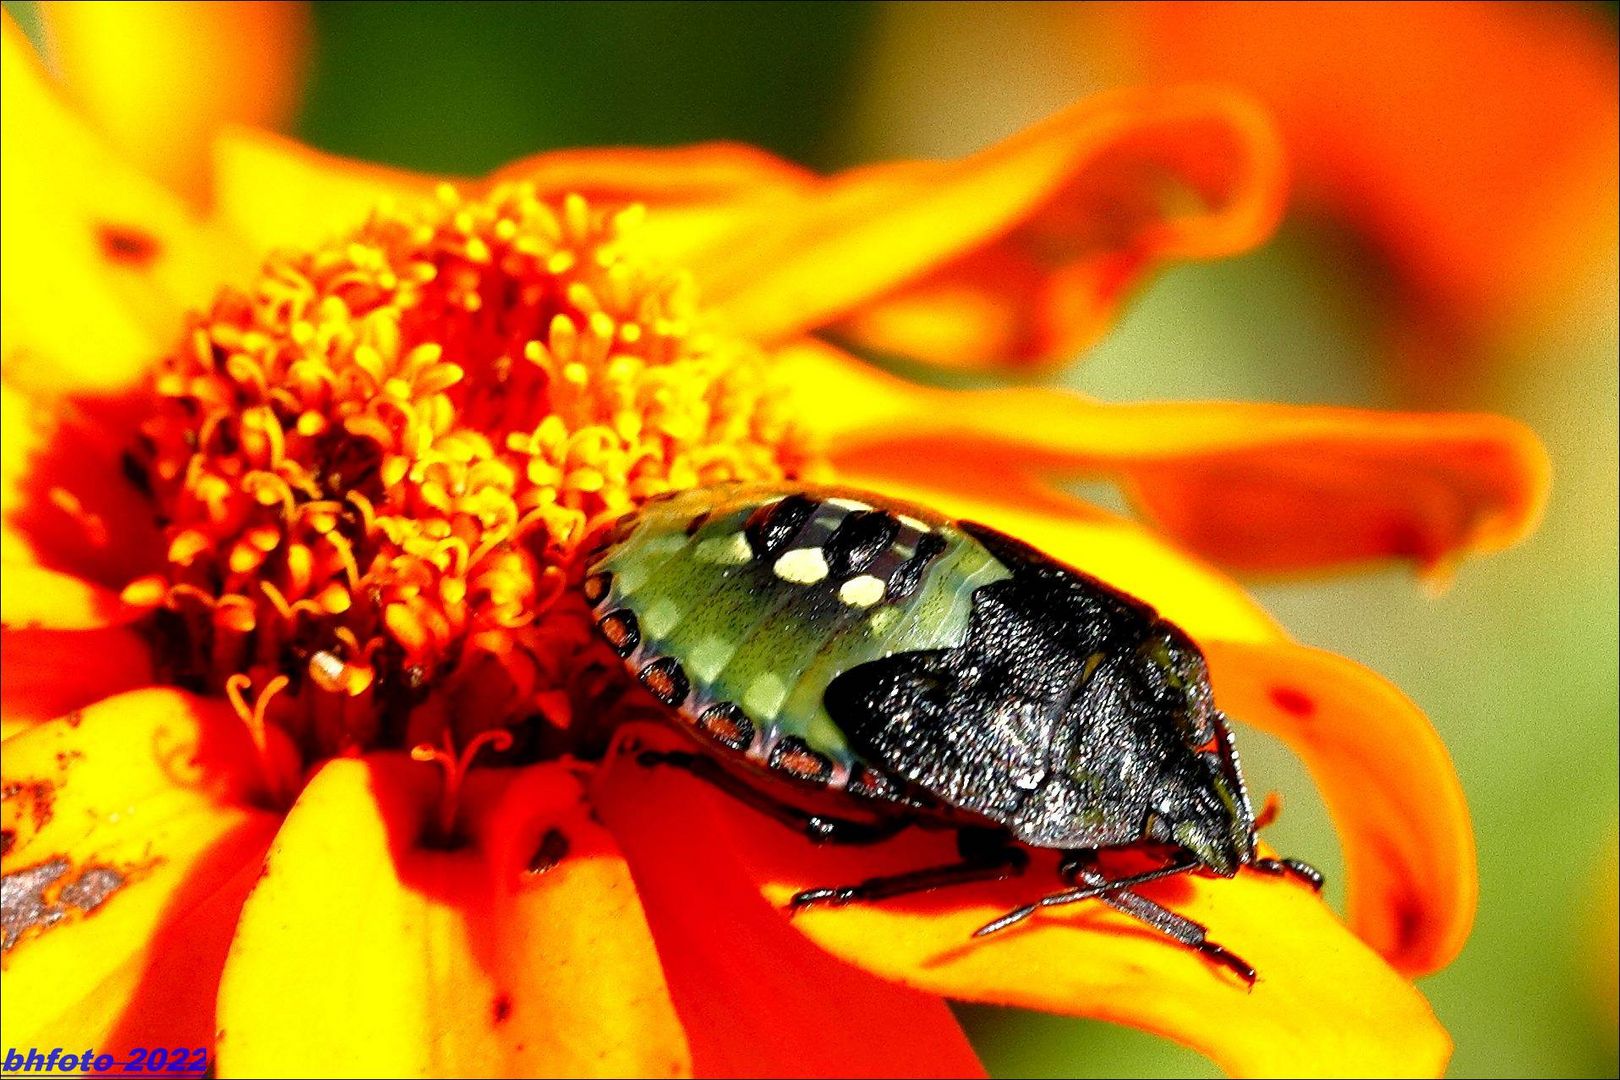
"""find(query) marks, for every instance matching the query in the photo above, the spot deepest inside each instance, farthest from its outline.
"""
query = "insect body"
(933, 672)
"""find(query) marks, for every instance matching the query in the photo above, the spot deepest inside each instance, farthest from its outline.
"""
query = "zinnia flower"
(293, 493)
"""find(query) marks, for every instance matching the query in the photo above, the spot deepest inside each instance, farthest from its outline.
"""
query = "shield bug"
(924, 671)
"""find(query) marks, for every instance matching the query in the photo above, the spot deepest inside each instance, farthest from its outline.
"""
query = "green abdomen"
(739, 605)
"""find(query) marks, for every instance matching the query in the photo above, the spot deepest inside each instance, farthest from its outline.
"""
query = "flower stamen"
(455, 765)
(277, 785)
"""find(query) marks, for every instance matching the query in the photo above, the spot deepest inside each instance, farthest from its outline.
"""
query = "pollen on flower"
(375, 465)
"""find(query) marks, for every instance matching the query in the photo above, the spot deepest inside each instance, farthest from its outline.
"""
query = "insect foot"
(1294, 868)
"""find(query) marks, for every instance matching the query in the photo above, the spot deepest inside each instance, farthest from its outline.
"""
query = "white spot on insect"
(863, 591)
(709, 657)
(802, 566)
(764, 696)
(920, 526)
(849, 504)
(730, 550)
(660, 617)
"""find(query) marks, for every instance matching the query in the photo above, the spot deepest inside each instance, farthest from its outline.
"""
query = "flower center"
(376, 466)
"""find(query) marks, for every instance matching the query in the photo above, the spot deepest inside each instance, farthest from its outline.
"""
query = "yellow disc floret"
(374, 467)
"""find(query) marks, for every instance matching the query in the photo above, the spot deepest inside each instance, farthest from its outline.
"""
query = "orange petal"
(1256, 487)
(1388, 782)
(461, 962)
(98, 261)
(51, 672)
(1273, 488)
(735, 968)
(161, 79)
(130, 846)
(35, 598)
(1324, 1004)
(1020, 253)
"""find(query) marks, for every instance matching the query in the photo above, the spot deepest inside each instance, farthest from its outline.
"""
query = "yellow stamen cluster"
(376, 466)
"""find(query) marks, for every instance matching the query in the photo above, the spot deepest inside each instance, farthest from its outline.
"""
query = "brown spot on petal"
(31, 799)
(1293, 702)
(128, 246)
(501, 1008)
(552, 849)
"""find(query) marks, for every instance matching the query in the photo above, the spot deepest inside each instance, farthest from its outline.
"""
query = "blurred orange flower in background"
(215, 834)
(1410, 124)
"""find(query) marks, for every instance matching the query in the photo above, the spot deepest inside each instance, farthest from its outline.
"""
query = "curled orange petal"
(522, 951)
(1020, 253)
(1254, 487)
(161, 79)
(131, 842)
(1324, 1003)
(736, 969)
(1388, 782)
(1275, 488)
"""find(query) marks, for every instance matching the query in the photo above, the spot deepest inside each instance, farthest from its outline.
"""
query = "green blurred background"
(1516, 663)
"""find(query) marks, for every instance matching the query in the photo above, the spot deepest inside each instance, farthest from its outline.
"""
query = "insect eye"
(1173, 675)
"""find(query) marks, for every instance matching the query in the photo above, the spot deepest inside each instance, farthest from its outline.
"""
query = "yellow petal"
(130, 846)
(98, 261)
(36, 598)
(523, 952)
(1323, 1004)
(1388, 782)
(278, 193)
(161, 79)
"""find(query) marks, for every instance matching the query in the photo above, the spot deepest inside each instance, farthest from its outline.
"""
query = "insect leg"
(819, 828)
(1298, 868)
(987, 855)
(1076, 867)
(1118, 895)
(1192, 934)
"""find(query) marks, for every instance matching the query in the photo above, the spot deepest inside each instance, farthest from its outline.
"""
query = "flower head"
(376, 462)
(328, 522)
